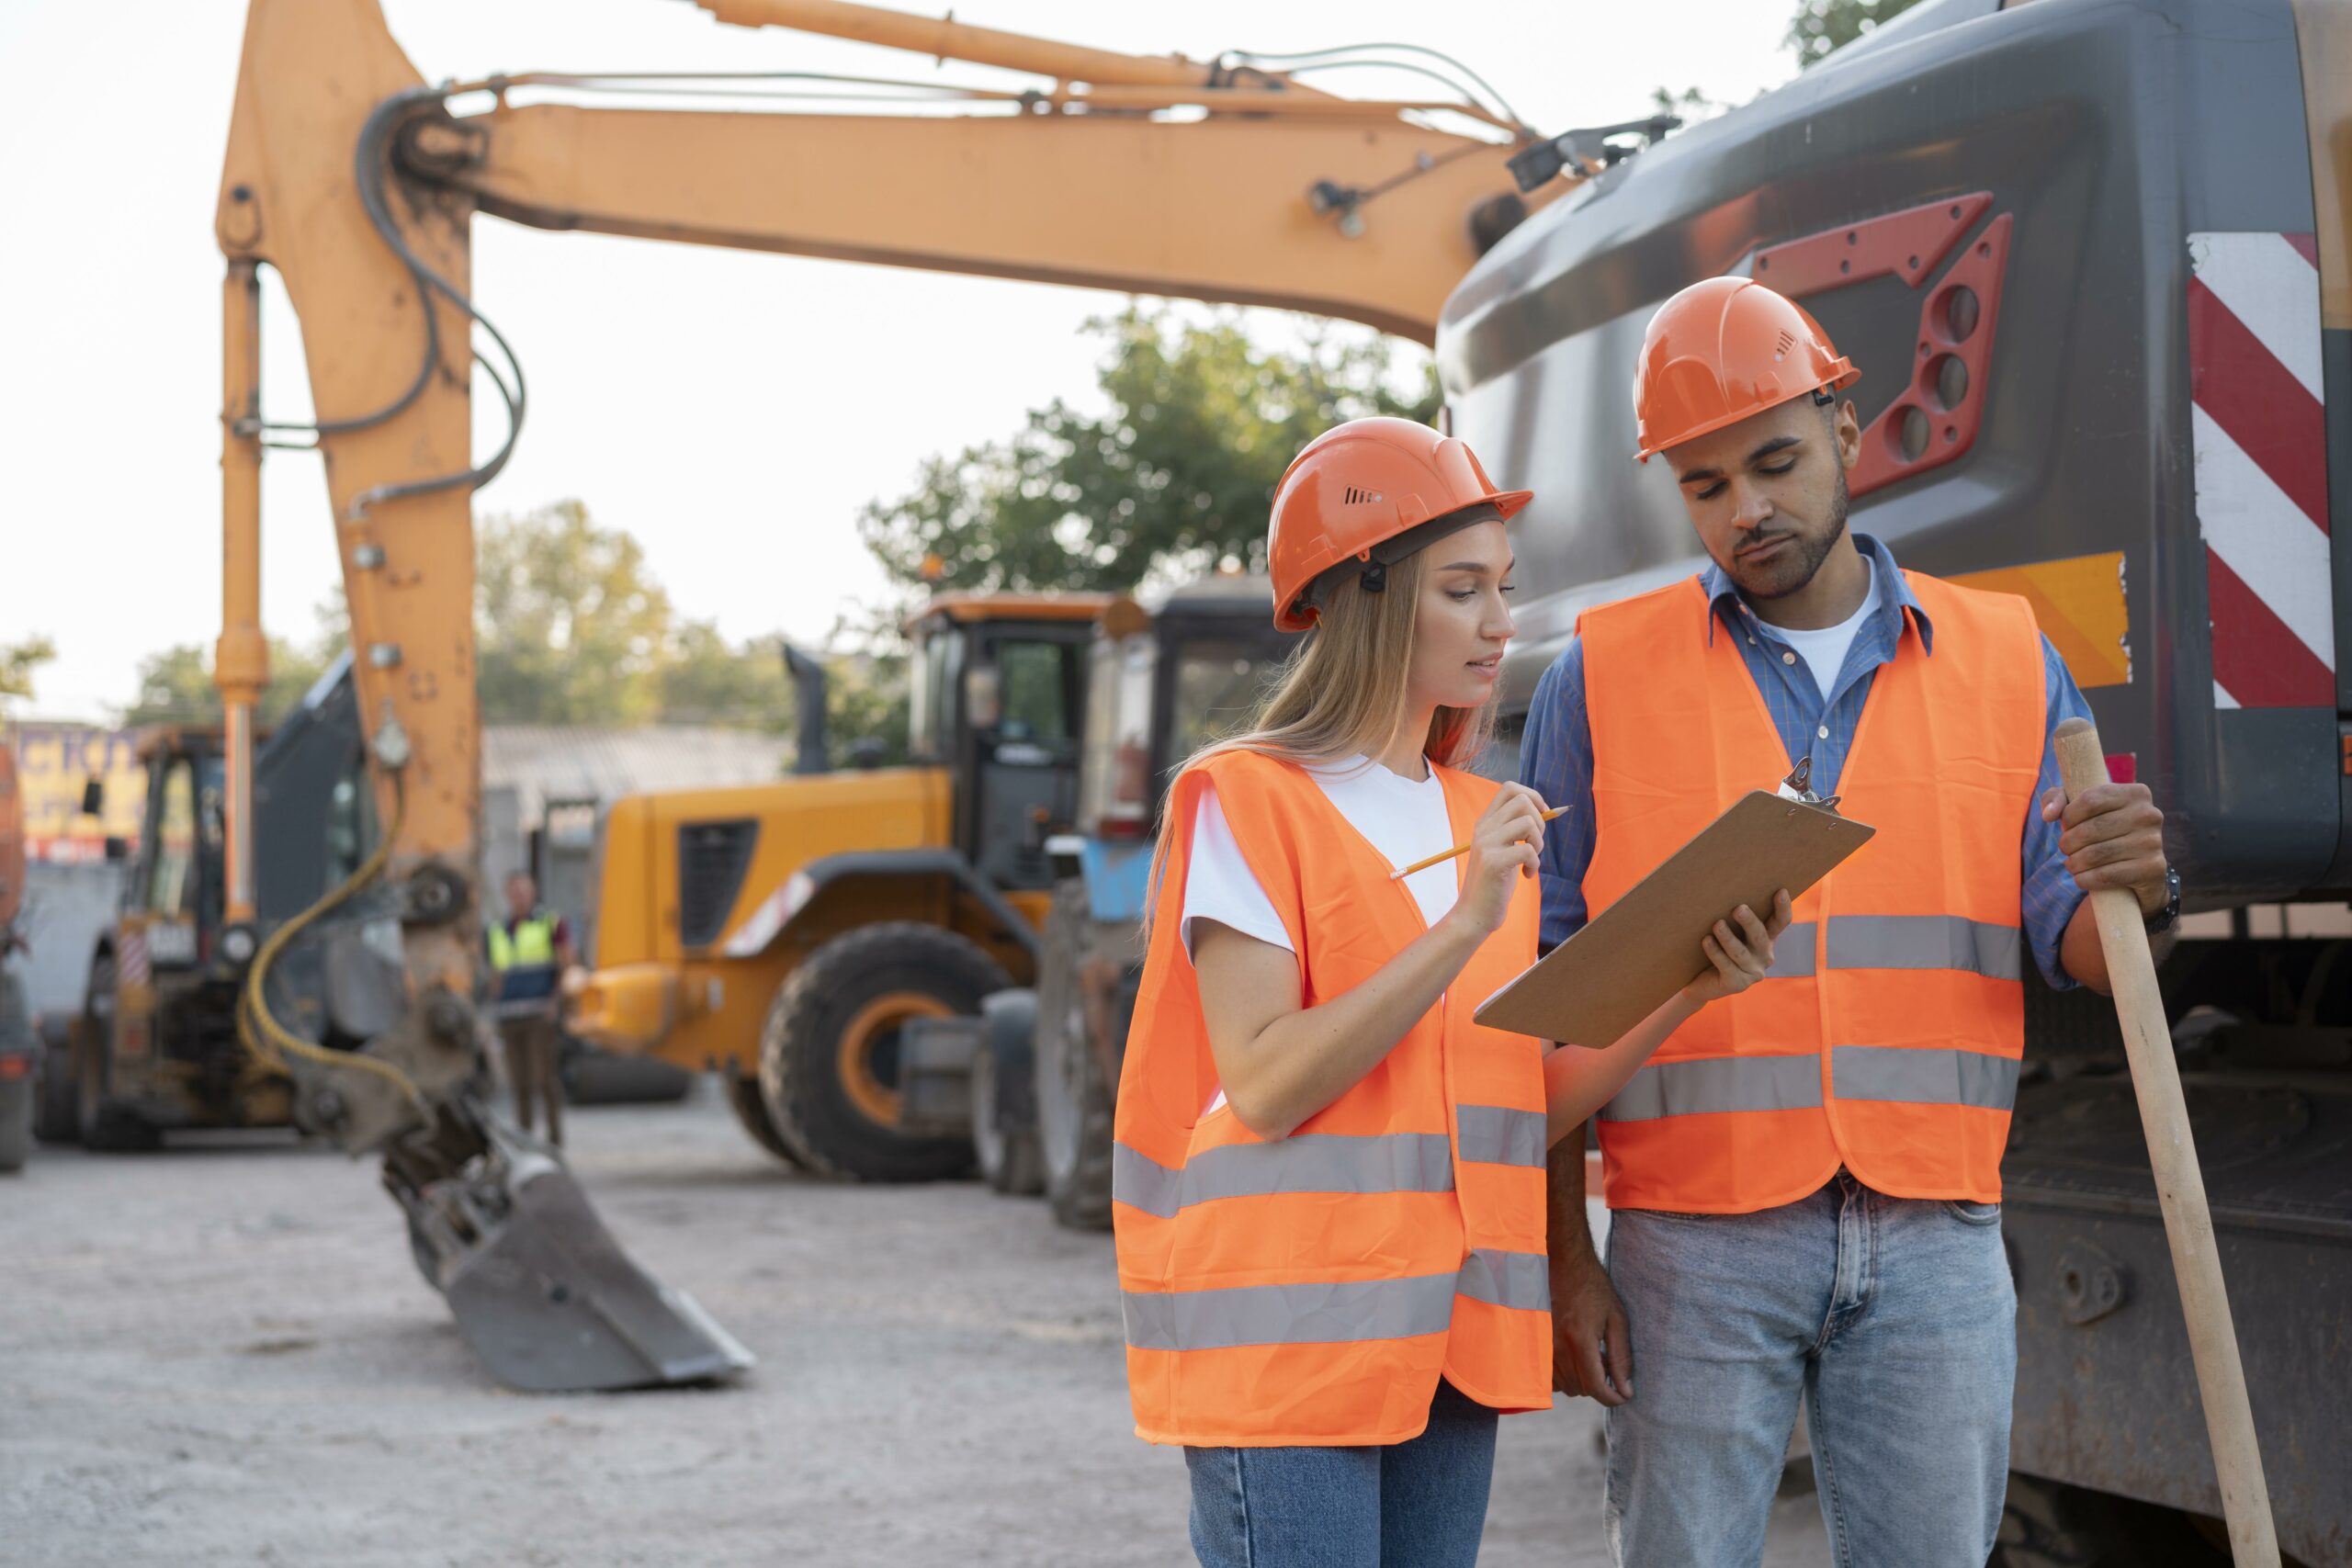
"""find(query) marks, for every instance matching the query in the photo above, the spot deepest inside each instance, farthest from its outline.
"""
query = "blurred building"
(544, 788)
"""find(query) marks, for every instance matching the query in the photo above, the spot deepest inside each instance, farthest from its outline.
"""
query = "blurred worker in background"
(1329, 1179)
(529, 950)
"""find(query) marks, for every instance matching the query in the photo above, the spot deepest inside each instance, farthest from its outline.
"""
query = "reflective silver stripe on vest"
(1908, 1076)
(1521, 1280)
(1926, 941)
(1312, 1162)
(1329, 1314)
(1793, 953)
(1497, 1134)
(1924, 1077)
(1720, 1083)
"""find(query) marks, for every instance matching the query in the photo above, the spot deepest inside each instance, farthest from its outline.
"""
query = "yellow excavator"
(357, 182)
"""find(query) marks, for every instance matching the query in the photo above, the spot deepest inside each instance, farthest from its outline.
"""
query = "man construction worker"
(1805, 1183)
(529, 953)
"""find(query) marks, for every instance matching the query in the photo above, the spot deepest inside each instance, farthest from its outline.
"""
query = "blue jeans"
(1896, 1318)
(1418, 1504)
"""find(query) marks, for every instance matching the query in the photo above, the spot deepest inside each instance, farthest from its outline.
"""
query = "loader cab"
(154, 990)
(312, 792)
(174, 893)
(1162, 684)
(996, 700)
(1163, 680)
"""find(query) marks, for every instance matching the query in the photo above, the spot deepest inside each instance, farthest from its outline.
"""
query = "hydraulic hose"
(264, 1036)
(370, 172)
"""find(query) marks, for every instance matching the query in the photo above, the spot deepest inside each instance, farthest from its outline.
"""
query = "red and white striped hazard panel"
(130, 958)
(2261, 461)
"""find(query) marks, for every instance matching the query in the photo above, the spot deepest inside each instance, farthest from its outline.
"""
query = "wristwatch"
(2164, 919)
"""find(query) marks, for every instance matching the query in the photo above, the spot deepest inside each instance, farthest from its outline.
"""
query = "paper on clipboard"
(1644, 947)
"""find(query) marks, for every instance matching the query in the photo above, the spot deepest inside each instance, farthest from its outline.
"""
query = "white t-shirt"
(1824, 651)
(1404, 819)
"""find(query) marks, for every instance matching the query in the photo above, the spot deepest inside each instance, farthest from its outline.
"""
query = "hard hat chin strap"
(1370, 567)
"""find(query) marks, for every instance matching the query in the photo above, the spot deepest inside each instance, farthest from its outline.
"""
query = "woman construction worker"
(1329, 1181)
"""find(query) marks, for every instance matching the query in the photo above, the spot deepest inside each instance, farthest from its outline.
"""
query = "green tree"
(705, 680)
(17, 662)
(865, 700)
(1692, 105)
(1174, 478)
(574, 628)
(176, 685)
(1821, 26)
(570, 626)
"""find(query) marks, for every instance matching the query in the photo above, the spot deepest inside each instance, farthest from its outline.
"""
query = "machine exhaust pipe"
(807, 675)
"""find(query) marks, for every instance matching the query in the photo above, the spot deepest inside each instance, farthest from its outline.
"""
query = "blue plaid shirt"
(1555, 754)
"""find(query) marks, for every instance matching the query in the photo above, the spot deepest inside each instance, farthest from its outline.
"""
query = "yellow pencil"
(1456, 850)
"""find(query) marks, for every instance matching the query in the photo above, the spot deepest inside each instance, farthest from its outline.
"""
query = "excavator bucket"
(540, 1289)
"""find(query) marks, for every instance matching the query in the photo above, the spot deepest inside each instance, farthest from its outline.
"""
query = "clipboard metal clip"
(1798, 786)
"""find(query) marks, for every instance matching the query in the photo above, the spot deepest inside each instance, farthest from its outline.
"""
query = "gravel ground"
(222, 1354)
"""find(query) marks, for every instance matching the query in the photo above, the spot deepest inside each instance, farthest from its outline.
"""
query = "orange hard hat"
(1371, 490)
(1721, 350)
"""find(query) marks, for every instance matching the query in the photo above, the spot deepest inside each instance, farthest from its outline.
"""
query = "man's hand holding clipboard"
(1637, 953)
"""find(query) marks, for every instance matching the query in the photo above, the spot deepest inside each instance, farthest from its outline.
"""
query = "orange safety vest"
(1312, 1290)
(1888, 1035)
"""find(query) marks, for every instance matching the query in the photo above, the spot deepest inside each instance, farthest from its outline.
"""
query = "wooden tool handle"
(2180, 1185)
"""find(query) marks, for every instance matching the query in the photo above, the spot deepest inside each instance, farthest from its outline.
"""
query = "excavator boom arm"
(1363, 214)
(1218, 208)
(358, 185)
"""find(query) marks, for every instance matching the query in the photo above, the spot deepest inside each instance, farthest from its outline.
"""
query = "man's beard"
(1798, 566)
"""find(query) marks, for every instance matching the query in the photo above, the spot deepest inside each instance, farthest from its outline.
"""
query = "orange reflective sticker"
(2079, 603)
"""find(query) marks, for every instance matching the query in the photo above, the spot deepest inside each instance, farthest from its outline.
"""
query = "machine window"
(171, 889)
(1036, 677)
(939, 661)
(1218, 685)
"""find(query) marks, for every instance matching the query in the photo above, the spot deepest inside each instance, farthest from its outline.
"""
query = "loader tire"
(828, 1048)
(1073, 1100)
(1007, 1154)
(752, 1114)
(106, 1127)
(16, 1123)
(55, 1118)
(20, 1054)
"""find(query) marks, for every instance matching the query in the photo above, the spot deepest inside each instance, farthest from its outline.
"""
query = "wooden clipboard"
(1641, 950)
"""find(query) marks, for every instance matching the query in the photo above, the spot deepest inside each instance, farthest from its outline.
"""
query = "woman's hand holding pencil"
(1459, 850)
(1503, 847)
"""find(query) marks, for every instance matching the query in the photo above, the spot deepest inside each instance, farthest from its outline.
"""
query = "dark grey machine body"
(2107, 133)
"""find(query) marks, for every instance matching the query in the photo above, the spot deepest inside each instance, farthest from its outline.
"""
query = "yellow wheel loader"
(783, 935)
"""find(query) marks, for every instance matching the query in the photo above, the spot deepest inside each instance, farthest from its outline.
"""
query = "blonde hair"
(1343, 693)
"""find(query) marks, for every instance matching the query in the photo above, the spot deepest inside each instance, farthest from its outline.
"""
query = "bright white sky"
(714, 403)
